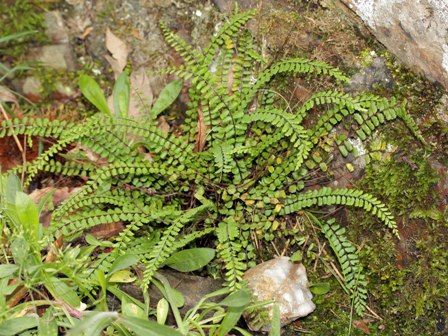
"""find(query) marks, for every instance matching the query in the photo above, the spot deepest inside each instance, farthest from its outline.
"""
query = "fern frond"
(179, 44)
(34, 127)
(229, 249)
(228, 31)
(350, 197)
(354, 278)
(166, 245)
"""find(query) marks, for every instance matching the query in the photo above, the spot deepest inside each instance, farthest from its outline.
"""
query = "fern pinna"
(242, 161)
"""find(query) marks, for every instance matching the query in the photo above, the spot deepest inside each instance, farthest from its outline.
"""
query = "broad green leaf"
(275, 324)
(93, 93)
(239, 298)
(93, 323)
(10, 188)
(123, 261)
(147, 328)
(7, 270)
(130, 309)
(320, 288)
(61, 291)
(163, 308)
(20, 250)
(174, 297)
(121, 95)
(230, 320)
(191, 259)
(122, 276)
(167, 96)
(47, 324)
(16, 325)
(28, 215)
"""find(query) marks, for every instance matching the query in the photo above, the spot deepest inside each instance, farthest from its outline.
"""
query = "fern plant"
(242, 161)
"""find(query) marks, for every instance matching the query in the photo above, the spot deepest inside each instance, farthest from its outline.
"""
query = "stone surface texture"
(285, 283)
(416, 31)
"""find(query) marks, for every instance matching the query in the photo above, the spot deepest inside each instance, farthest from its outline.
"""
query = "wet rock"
(284, 282)
(57, 56)
(415, 31)
(375, 74)
(56, 30)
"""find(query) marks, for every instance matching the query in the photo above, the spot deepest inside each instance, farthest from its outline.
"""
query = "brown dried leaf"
(141, 93)
(6, 96)
(119, 52)
(107, 230)
(201, 132)
(162, 124)
(361, 325)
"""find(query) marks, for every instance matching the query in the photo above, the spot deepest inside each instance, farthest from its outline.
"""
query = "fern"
(229, 250)
(354, 279)
(241, 152)
(166, 246)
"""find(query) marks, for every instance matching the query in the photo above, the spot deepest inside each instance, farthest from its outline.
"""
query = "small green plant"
(243, 161)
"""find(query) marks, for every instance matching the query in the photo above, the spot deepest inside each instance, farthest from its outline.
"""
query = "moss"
(408, 279)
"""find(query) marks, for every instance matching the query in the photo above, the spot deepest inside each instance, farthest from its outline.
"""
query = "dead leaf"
(141, 93)
(59, 195)
(86, 33)
(6, 96)
(119, 52)
(162, 124)
(361, 325)
(107, 230)
(201, 132)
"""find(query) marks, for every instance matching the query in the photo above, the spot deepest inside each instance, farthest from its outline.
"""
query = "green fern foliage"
(354, 278)
(241, 160)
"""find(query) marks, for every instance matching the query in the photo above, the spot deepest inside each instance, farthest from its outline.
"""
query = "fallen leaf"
(141, 93)
(361, 325)
(6, 96)
(59, 195)
(86, 33)
(107, 230)
(162, 124)
(119, 52)
(201, 132)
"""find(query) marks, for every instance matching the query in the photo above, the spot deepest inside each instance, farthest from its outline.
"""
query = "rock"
(442, 110)
(376, 74)
(192, 287)
(57, 56)
(415, 31)
(56, 30)
(63, 92)
(284, 282)
(31, 88)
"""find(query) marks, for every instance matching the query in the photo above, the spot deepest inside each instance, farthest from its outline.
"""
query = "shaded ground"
(408, 279)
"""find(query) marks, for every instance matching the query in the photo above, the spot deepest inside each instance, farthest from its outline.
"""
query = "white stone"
(415, 31)
(285, 283)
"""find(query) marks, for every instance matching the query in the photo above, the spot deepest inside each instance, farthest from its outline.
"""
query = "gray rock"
(415, 31)
(283, 282)
(31, 88)
(56, 30)
(57, 56)
(442, 110)
(192, 287)
(376, 74)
